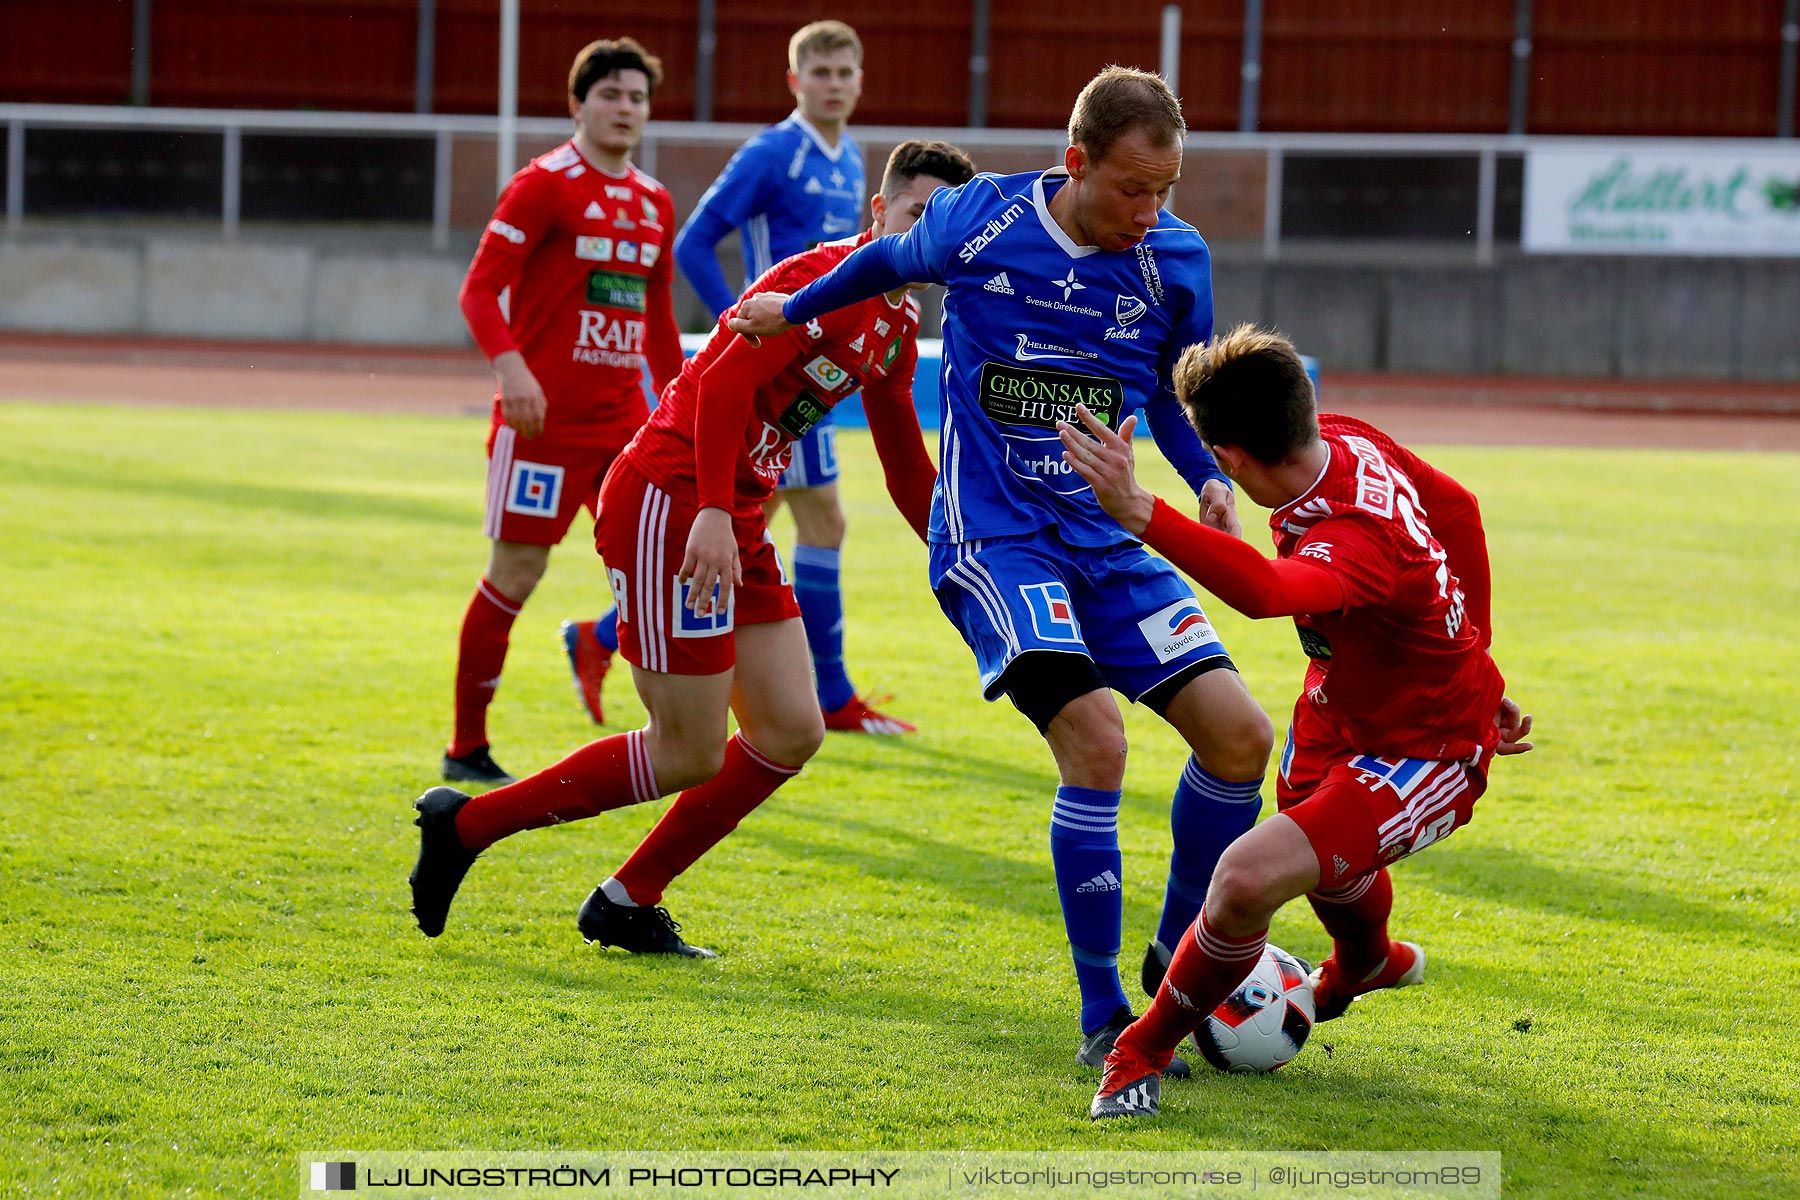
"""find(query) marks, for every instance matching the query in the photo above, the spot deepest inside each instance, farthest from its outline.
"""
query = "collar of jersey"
(595, 167)
(1040, 202)
(1279, 517)
(832, 152)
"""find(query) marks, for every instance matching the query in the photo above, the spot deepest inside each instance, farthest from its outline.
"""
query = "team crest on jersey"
(594, 249)
(594, 212)
(893, 352)
(829, 375)
(1178, 629)
(651, 217)
(688, 624)
(1052, 614)
(1127, 308)
(535, 489)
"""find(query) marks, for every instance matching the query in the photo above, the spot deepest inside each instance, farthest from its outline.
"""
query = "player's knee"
(1243, 895)
(793, 742)
(1239, 739)
(1094, 762)
(684, 762)
(824, 527)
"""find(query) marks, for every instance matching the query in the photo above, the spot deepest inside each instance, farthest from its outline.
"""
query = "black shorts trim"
(1040, 683)
(1158, 698)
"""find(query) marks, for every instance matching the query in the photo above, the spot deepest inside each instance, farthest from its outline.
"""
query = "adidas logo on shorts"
(1106, 881)
(1338, 864)
(999, 285)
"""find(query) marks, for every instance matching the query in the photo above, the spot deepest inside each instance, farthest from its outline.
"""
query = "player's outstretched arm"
(884, 265)
(1176, 438)
(1225, 566)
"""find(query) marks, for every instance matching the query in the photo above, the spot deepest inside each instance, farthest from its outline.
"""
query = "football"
(1263, 1024)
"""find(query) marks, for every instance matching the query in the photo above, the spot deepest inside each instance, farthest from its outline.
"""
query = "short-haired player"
(1383, 565)
(579, 245)
(707, 618)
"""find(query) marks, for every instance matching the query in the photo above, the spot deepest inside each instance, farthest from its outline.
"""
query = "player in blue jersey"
(792, 186)
(1074, 286)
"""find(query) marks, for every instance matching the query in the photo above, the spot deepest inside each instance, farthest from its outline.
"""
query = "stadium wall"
(1582, 317)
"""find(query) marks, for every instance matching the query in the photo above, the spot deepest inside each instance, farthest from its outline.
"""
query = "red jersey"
(720, 438)
(587, 256)
(1402, 669)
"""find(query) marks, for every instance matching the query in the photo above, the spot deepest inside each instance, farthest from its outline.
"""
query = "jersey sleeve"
(734, 197)
(881, 266)
(899, 442)
(521, 220)
(1355, 550)
(1174, 434)
(1237, 573)
(662, 334)
(726, 394)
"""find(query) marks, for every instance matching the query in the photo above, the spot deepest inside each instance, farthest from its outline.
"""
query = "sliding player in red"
(1383, 565)
(580, 240)
(707, 618)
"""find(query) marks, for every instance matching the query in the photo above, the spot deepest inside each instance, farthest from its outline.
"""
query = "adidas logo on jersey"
(1106, 881)
(857, 345)
(814, 187)
(999, 285)
(594, 212)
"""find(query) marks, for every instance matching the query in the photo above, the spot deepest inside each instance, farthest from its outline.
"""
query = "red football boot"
(588, 663)
(1332, 993)
(857, 716)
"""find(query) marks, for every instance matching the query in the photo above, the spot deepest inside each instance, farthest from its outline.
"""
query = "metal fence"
(430, 139)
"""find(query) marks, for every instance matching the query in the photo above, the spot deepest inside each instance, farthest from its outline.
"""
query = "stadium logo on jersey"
(1127, 308)
(648, 254)
(594, 249)
(813, 186)
(594, 211)
(628, 251)
(1040, 398)
(502, 229)
(799, 417)
(1179, 629)
(689, 624)
(535, 489)
(1152, 276)
(1052, 614)
(1000, 285)
(615, 290)
(989, 232)
(1029, 350)
(615, 192)
(829, 375)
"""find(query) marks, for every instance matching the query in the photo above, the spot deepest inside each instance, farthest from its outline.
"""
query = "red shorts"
(642, 534)
(535, 486)
(1361, 812)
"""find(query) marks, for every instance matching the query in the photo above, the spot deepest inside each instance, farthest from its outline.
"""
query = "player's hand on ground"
(711, 561)
(1514, 727)
(1105, 460)
(760, 316)
(522, 403)
(1218, 508)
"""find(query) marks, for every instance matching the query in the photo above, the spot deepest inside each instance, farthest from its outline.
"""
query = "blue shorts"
(815, 458)
(1119, 605)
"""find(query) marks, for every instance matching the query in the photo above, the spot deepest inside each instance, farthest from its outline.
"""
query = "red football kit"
(1383, 565)
(584, 257)
(720, 438)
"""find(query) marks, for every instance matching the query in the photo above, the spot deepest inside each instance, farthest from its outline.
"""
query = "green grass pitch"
(228, 639)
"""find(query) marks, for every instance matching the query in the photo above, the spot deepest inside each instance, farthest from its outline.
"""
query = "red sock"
(700, 818)
(1207, 967)
(602, 775)
(480, 655)
(1356, 917)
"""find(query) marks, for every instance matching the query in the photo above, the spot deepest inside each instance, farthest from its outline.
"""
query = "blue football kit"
(784, 191)
(1023, 558)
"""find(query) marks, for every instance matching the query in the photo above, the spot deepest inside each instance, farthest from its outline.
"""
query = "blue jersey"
(785, 191)
(1033, 325)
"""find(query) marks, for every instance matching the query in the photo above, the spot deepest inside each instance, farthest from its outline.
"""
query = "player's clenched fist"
(760, 316)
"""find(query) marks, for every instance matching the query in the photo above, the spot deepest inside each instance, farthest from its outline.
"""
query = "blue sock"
(1207, 815)
(1084, 847)
(822, 612)
(606, 630)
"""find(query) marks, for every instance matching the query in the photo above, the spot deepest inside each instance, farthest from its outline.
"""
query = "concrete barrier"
(1559, 316)
(63, 287)
(1680, 320)
(1442, 321)
(404, 301)
(203, 289)
(1331, 312)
